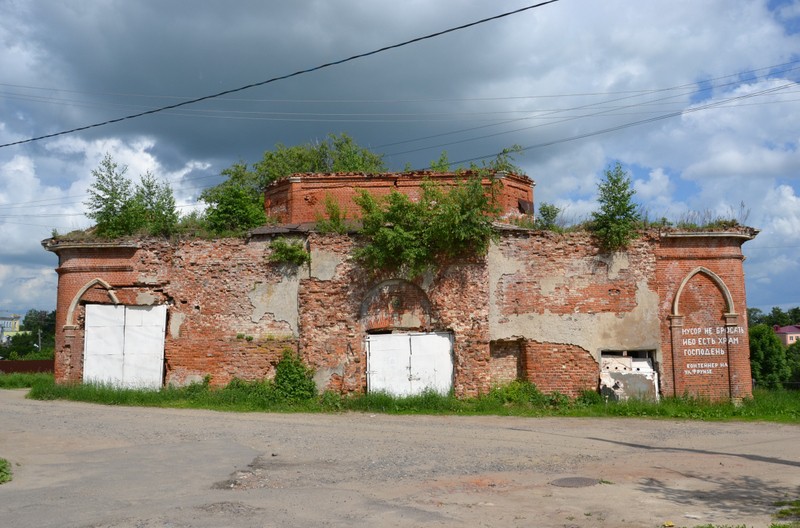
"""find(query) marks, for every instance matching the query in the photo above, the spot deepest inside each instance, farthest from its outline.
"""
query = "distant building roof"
(791, 329)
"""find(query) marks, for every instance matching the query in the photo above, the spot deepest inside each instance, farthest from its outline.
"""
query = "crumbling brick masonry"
(540, 306)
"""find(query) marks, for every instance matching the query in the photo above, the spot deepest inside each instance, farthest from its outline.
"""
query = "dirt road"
(81, 465)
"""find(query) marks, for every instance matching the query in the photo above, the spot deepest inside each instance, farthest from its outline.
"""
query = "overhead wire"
(774, 69)
(590, 105)
(717, 104)
(771, 69)
(630, 124)
(283, 77)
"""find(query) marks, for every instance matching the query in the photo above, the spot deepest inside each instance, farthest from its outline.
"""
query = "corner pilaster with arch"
(700, 335)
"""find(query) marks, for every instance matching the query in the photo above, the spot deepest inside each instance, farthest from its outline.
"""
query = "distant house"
(9, 325)
(787, 334)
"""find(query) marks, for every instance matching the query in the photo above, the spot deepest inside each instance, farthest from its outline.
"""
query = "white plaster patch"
(175, 323)
(324, 264)
(618, 262)
(145, 299)
(498, 265)
(322, 376)
(279, 299)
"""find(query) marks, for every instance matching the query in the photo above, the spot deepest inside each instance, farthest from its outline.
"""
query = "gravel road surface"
(83, 465)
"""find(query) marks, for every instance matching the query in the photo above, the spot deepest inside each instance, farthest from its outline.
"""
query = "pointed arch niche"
(70, 321)
(730, 312)
(706, 369)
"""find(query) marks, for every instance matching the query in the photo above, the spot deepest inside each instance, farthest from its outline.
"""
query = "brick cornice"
(93, 269)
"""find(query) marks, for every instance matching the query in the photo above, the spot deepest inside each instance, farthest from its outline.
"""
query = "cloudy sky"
(696, 99)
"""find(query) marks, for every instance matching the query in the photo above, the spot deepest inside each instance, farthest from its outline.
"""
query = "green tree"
(233, 210)
(504, 161)
(344, 155)
(20, 345)
(461, 218)
(410, 237)
(338, 153)
(793, 359)
(548, 213)
(396, 231)
(37, 328)
(755, 316)
(109, 198)
(234, 205)
(36, 321)
(614, 225)
(119, 208)
(442, 164)
(153, 206)
(778, 317)
(768, 363)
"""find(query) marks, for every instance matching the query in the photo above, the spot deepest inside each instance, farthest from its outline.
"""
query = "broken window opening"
(628, 374)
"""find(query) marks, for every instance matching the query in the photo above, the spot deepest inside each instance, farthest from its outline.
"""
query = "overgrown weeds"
(289, 252)
(5, 471)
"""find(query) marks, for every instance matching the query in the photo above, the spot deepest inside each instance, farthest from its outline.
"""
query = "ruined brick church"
(666, 316)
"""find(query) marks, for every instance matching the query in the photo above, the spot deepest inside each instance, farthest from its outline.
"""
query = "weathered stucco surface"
(277, 298)
(555, 279)
(324, 264)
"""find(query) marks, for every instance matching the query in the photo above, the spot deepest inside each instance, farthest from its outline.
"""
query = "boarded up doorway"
(408, 364)
(124, 345)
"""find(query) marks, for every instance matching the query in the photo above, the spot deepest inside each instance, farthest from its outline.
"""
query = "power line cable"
(630, 124)
(739, 75)
(604, 113)
(283, 77)
(723, 103)
(718, 104)
(736, 81)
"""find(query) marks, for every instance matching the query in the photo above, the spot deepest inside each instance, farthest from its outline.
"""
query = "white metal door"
(432, 362)
(103, 344)
(124, 345)
(407, 364)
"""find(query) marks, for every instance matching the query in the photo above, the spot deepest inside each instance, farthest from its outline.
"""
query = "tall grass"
(21, 380)
(517, 399)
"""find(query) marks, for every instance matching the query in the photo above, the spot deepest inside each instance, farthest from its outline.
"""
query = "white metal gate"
(407, 364)
(124, 345)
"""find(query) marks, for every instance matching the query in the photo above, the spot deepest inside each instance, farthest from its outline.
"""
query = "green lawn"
(515, 399)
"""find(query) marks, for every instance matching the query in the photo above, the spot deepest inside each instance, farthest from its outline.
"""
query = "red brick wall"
(567, 274)
(506, 364)
(301, 198)
(722, 367)
(555, 367)
(220, 324)
(78, 266)
(333, 326)
(206, 285)
(395, 304)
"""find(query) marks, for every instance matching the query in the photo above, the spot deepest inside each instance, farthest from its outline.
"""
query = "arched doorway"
(404, 356)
